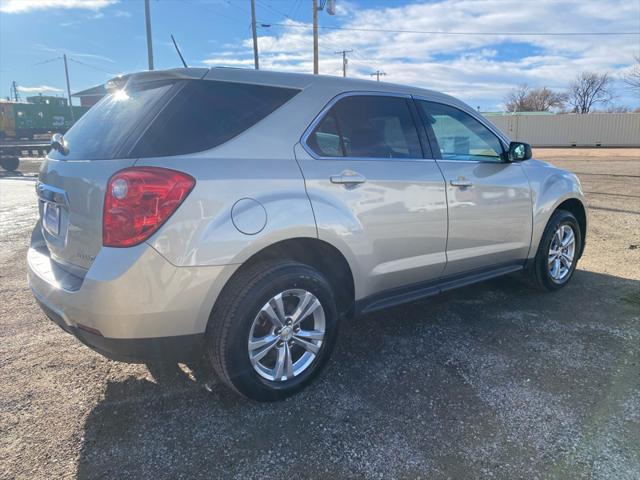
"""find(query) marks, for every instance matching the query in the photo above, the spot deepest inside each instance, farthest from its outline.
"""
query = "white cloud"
(121, 14)
(22, 6)
(480, 69)
(39, 89)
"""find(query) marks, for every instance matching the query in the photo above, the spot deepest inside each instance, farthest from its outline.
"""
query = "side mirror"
(57, 143)
(519, 151)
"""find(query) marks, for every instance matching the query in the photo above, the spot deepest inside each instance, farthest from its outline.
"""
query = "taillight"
(138, 201)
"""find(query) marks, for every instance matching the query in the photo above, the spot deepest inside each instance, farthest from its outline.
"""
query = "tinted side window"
(325, 139)
(368, 126)
(459, 135)
(205, 114)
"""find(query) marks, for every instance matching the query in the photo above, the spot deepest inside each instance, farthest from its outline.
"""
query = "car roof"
(303, 81)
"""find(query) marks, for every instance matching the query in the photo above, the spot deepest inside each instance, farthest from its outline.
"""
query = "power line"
(439, 32)
(230, 3)
(275, 10)
(47, 61)
(294, 9)
(92, 66)
(219, 14)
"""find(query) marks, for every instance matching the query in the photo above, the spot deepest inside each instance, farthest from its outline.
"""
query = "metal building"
(570, 129)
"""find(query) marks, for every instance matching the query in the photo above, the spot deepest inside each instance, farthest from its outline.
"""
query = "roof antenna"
(178, 50)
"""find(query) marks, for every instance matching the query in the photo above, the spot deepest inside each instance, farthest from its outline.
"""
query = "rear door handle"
(348, 177)
(461, 182)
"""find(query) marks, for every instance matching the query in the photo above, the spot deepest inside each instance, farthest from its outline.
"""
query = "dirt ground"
(491, 381)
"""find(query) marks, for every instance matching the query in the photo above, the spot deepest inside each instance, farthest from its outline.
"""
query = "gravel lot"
(491, 381)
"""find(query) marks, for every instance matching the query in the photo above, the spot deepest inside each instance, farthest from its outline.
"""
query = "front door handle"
(348, 178)
(461, 182)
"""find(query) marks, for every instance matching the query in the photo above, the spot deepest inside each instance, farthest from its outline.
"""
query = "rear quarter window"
(205, 114)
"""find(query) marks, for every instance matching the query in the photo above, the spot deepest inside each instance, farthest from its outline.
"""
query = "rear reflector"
(93, 331)
(138, 201)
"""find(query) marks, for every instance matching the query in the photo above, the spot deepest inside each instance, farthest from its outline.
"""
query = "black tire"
(540, 270)
(234, 313)
(10, 164)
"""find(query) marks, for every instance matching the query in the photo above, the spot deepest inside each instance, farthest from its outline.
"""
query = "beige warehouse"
(571, 130)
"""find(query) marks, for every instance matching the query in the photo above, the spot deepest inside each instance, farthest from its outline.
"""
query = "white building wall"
(567, 130)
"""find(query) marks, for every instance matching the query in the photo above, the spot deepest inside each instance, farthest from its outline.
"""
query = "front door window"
(459, 135)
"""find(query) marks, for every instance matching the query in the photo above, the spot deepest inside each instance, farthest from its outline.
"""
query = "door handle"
(461, 182)
(348, 177)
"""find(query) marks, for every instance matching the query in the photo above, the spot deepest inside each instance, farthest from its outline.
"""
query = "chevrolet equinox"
(237, 216)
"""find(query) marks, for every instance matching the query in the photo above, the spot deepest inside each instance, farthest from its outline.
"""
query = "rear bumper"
(133, 350)
(132, 304)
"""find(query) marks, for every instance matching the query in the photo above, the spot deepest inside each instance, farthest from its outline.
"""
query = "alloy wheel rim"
(286, 335)
(561, 253)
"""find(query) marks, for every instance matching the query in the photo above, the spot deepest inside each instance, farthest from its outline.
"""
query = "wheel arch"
(321, 255)
(577, 208)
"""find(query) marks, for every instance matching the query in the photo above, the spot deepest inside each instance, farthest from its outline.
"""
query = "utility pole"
(66, 73)
(344, 60)
(147, 16)
(255, 36)
(315, 37)
(377, 74)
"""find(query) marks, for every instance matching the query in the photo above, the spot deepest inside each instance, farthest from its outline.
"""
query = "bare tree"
(633, 77)
(588, 90)
(617, 109)
(516, 99)
(525, 99)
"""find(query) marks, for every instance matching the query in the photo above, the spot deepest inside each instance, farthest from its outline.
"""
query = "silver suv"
(240, 215)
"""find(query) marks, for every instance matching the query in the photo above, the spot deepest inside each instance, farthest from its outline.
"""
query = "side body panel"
(393, 226)
(489, 221)
(237, 208)
(550, 187)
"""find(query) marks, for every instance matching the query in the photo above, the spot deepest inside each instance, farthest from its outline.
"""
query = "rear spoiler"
(139, 78)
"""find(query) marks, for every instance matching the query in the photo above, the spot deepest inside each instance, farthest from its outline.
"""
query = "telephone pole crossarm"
(377, 74)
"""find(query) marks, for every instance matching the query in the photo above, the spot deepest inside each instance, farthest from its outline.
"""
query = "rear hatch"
(72, 181)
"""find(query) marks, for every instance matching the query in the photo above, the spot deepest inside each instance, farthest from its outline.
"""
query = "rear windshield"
(103, 131)
(170, 119)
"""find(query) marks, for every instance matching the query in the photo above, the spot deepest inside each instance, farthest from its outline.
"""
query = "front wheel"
(558, 252)
(272, 329)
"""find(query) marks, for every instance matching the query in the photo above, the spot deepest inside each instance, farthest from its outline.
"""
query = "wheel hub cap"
(561, 253)
(286, 335)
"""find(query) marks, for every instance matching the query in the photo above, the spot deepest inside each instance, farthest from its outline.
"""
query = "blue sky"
(107, 37)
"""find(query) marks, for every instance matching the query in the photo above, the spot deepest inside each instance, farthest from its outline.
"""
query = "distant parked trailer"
(571, 130)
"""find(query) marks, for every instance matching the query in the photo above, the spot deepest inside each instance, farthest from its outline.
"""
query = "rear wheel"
(272, 329)
(558, 252)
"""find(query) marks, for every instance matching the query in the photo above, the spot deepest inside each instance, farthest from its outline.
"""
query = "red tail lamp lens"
(138, 201)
